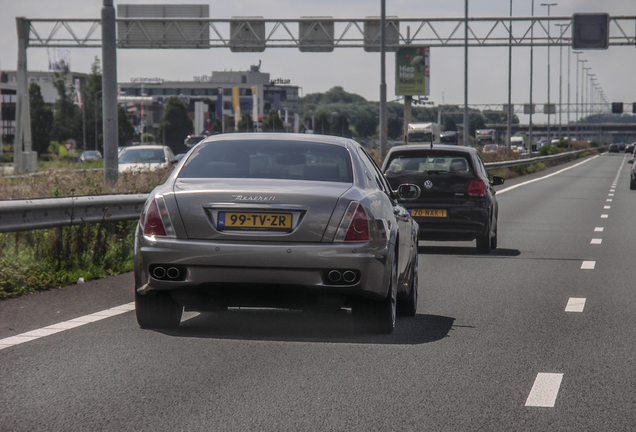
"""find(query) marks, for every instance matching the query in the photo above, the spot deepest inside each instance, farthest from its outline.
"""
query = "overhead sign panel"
(166, 33)
(373, 34)
(412, 71)
(316, 34)
(247, 34)
(590, 31)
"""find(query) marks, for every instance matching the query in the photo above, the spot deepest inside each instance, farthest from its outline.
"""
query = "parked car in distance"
(613, 148)
(145, 157)
(629, 148)
(90, 155)
(291, 221)
(192, 140)
(632, 174)
(457, 200)
(490, 148)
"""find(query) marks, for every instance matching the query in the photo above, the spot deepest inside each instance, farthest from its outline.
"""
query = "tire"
(408, 305)
(157, 310)
(378, 316)
(632, 184)
(493, 241)
(483, 241)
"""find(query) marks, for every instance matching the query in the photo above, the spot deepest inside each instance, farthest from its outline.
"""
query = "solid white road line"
(588, 265)
(575, 305)
(66, 325)
(544, 177)
(545, 390)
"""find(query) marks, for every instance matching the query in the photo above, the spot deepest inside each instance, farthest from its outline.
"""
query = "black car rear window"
(438, 163)
(269, 160)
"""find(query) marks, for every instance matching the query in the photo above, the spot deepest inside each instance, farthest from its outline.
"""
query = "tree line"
(65, 120)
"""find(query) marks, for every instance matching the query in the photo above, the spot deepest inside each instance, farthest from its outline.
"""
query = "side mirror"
(408, 192)
(496, 181)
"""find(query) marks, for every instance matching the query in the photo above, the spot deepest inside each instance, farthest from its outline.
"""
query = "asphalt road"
(492, 347)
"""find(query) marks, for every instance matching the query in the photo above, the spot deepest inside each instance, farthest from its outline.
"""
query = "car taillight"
(153, 224)
(354, 225)
(476, 188)
(157, 221)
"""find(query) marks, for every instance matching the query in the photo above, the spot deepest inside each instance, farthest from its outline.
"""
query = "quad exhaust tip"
(347, 276)
(160, 272)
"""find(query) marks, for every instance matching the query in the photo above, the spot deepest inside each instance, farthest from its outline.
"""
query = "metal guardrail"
(27, 215)
(528, 161)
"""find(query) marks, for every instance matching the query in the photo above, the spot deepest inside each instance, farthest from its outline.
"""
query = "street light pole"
(584, 96)
(560, 77)
(576, 117)
(549, 41)
(95, 107)
(509, 123)
(531, 69)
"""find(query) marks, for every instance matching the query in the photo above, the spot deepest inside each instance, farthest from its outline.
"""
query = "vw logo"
(428, 184)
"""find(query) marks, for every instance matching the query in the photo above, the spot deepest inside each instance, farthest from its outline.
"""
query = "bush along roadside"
(33, 261)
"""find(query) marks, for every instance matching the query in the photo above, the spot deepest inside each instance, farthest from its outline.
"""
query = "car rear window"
(439, 163)
(142, 156)
(269, 160)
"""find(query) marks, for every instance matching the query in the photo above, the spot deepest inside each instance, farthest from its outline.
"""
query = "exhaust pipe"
(349, 276)
(159, 272)
(173, 273)
(334, 276)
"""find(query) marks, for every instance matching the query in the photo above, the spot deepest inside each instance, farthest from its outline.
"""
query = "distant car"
(632, 174)
(292, 221)
(614, 148)
(457, 200)
(90, 155)
(145, 157)
(192, 140)
(490, 148)
(622, 146)
(629, 148)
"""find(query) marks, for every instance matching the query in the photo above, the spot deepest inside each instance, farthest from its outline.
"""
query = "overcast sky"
(352, 68)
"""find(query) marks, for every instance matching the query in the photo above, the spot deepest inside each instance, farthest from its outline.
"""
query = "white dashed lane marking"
(545, 390)
(588, 265)
(598, 229)
(596, 241)
(575, 305)
(66, 325)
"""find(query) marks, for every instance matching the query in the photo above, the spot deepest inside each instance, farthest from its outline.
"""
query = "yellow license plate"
(428, 213)
(251, 221)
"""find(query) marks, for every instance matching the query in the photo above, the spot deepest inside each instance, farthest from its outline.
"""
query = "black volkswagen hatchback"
(454, 199)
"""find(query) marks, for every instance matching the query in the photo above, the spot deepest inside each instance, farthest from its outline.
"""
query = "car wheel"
(632, 184)
(157, 310)
(378, 316)
(483, 244)
(493, 240)
(408, 305)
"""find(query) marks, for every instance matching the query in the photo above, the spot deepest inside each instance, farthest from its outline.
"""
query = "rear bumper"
(460, 225)
(213, 267)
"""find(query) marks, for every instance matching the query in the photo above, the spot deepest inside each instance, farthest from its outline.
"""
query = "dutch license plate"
(255, 221)
(428, 213)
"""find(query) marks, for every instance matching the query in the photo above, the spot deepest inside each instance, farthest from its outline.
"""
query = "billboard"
(412, 71)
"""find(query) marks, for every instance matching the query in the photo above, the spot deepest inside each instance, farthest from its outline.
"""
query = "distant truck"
(449, 138)
(193, 140)
(423, 133)
(485, 136)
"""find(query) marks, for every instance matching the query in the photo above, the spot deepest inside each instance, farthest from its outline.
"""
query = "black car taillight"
(476, 188)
